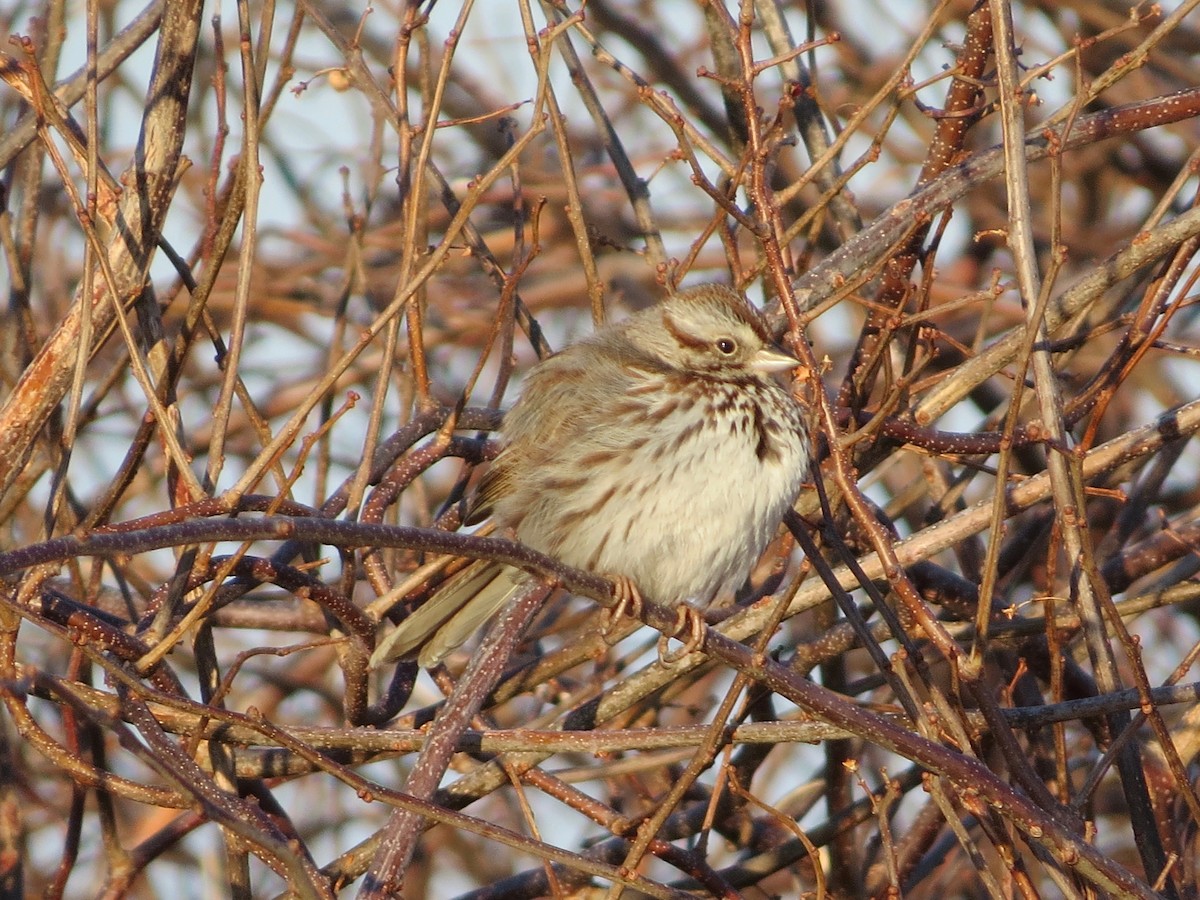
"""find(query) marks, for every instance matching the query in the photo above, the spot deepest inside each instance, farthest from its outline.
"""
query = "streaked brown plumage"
(660, 449)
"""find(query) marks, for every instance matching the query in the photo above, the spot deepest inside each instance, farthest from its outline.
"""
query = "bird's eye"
(726, 345)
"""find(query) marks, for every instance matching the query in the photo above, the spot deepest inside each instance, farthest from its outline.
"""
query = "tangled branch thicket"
(271, 281)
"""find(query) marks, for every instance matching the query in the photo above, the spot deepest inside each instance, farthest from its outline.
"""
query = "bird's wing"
(565, 400)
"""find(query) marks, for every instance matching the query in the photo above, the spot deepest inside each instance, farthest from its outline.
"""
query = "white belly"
(695, 517)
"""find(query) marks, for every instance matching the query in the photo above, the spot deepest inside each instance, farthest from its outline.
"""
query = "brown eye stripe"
(735, 304)
(685, 339)
(751, 317)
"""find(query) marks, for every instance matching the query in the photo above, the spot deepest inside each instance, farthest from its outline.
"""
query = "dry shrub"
(966, 668)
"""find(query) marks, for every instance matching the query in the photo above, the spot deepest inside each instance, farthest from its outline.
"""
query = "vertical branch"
(252, 184)
(1088, 592)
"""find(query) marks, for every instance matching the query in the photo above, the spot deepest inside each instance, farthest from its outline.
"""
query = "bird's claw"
(688, 620)
(629, 603)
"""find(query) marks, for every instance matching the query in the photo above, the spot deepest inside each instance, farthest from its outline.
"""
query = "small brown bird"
(660, 451)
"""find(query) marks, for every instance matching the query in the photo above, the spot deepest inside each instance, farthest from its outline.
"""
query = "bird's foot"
(628, 606)
(689, 620)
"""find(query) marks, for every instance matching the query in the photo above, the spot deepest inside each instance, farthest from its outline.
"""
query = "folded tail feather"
(451, 615)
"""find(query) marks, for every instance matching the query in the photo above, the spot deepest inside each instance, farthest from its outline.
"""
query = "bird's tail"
(451, 615)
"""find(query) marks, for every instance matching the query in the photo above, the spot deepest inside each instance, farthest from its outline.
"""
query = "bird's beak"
(772, 359)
